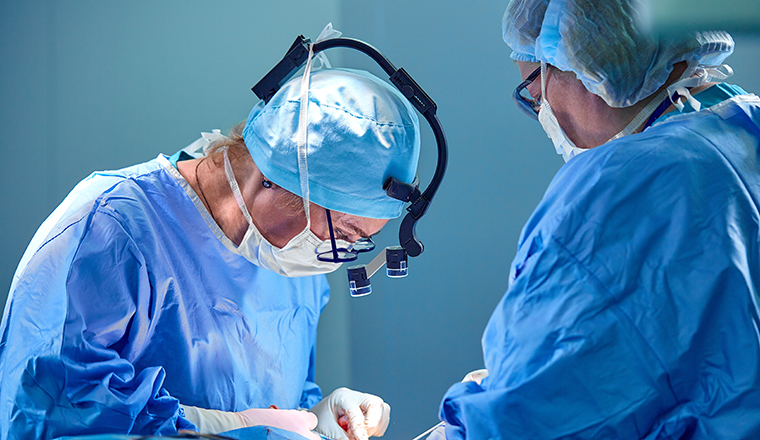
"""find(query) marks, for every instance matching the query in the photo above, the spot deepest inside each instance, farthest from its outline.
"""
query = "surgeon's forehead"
(361, 226)
(526, 68)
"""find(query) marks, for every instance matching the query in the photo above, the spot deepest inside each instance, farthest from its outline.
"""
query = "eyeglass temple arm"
(332, 235)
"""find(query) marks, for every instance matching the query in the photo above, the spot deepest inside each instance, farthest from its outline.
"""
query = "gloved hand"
(210, 421)
(439, 433)
(350, 415)
(476, 376)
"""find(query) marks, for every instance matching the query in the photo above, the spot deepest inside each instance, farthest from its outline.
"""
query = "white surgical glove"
(438, 433)
(350, 415)
(211, 421)
(476, 376)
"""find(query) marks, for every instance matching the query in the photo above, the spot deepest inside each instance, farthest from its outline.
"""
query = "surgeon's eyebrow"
(360, 232)
(353, 229)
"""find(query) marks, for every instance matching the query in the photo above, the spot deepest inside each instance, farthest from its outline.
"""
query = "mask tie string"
(699, 76)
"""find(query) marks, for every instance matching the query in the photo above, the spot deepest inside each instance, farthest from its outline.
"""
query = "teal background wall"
(90, 85)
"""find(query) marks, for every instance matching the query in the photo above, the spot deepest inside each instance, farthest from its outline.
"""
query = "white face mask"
(297, 258)
(562, 143)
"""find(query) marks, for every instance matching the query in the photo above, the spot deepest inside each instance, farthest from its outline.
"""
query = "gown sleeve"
(564, 361)
(632, 310)
(312, 394)
(89, 386)
(311, 391)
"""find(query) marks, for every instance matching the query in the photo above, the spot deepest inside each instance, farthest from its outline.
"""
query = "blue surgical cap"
(603, 44)
(361, 131)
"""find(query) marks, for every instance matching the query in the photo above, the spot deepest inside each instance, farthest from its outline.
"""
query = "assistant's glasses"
(524, 101)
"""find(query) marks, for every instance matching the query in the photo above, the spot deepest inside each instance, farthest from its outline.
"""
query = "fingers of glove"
(300, 422)
(347, 413)
(385, 420)
(476, 376)
(357, 429)
(358, 415)
(377, 415)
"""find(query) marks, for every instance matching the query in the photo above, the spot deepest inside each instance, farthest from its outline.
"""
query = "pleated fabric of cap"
(604, 45)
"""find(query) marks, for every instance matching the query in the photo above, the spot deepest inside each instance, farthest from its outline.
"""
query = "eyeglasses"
(341, 254)
(527, 104)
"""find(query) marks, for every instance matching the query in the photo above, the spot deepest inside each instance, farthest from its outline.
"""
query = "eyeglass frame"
(528, 106)
(353, 253)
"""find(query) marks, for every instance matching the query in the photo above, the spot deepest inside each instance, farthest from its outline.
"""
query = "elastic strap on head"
(303, 129)
(303, 121)
(544, 69)
(235, 188)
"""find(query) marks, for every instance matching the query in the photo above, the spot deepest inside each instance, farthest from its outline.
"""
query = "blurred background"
(89, 85)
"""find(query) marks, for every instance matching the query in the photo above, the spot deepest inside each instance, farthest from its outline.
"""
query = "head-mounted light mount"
(419, 200)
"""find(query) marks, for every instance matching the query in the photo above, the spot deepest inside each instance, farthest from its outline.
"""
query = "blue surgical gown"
(632, 310)
(129, 301)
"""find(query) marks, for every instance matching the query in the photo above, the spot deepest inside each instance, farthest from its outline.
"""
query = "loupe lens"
(363, 245)
(343, 256)
(326, 246)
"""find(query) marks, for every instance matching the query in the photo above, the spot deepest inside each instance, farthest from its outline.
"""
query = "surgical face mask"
(562, 143)
(295, 259)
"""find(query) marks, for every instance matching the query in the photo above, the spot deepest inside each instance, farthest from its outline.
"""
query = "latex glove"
(210, 421)
(350, 415)
(476, 376)
(438, 433)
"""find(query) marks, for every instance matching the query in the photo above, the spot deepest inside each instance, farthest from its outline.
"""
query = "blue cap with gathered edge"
(604, 45)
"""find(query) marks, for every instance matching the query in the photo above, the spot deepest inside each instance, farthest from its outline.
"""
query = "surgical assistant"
(632, 307)
(185, 292)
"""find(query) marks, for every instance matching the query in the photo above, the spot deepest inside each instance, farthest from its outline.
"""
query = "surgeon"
(632, 307)
(184, 293)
